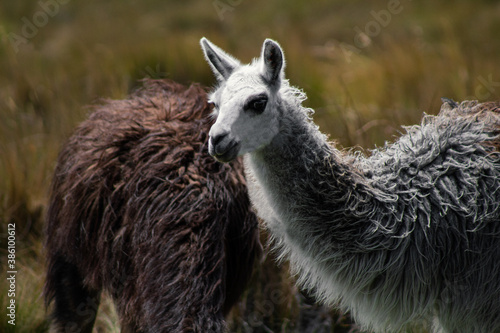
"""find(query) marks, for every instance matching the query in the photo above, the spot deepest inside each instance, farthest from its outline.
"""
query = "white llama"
(405, 238)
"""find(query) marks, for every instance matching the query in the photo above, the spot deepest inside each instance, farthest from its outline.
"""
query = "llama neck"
(302, 185)
(321, 210)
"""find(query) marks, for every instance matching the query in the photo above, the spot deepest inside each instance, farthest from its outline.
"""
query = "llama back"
(445, 156)
(441, 188)
(137, 204)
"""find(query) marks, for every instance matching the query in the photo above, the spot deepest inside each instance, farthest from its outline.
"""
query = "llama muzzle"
(222, 147)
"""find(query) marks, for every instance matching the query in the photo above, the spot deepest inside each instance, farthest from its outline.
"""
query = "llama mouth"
(228, 154)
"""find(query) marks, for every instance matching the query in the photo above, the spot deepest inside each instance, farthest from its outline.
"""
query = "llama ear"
(222, 64)
(273, 62)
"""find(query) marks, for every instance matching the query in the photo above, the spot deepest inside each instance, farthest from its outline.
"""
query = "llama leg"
(75, 306)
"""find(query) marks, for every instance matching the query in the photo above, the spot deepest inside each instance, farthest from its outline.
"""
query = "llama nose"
(216, 139)
(216, 145)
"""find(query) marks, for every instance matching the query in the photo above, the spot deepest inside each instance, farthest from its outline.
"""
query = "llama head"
(245, 101)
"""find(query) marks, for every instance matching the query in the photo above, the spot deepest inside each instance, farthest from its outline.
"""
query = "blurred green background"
(368, 67)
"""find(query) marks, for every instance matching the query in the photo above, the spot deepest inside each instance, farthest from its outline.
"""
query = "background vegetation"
(367, 67)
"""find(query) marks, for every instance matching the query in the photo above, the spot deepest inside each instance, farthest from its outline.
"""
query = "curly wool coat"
(139, 208)
(406, 237)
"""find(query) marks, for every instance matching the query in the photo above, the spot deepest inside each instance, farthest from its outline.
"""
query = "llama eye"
(213, 105)
(257, 105)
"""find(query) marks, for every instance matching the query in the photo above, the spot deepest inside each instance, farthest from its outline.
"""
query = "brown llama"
(138, 208)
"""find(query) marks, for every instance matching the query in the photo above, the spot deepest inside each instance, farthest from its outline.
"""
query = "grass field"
(367, 67)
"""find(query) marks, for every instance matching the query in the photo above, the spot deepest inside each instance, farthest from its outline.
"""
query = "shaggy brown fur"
(140, 209)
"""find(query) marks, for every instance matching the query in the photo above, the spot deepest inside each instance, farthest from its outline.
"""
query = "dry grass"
(362, 87)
